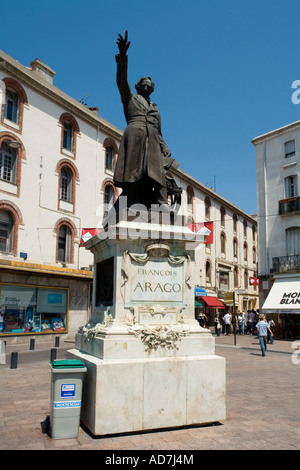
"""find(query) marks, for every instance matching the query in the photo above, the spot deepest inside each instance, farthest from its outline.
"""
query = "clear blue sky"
(223, 71)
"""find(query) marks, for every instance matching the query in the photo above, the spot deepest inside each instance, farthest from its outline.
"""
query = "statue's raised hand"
(123, 43)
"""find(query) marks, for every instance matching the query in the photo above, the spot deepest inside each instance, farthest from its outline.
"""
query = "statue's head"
(145, 86)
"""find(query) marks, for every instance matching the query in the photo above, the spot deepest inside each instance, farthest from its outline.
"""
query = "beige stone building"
(57, 159)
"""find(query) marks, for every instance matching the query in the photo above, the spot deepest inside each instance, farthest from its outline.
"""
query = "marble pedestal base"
(128, 395)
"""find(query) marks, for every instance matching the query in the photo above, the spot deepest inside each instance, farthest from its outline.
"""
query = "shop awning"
(197, 304)
(213, 302)
(200, 292)
(284, 296)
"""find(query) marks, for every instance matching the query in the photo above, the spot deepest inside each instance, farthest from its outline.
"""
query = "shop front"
(283, 305)
(42, 301)
(30, 309)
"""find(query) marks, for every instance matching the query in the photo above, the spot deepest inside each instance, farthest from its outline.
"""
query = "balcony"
(286, 264)
(287, 206)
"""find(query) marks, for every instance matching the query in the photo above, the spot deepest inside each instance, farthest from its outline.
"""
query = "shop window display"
(25, 309)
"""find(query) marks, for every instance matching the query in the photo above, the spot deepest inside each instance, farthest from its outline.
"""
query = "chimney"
(42, 70)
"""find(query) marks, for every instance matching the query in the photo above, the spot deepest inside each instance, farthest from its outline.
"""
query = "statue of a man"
(143, 154)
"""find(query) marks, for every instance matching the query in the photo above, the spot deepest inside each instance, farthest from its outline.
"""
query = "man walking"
(262, 331)
(227, 321)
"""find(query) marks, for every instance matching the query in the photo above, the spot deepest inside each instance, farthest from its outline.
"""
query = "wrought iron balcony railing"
(283, 264)
(286, 206)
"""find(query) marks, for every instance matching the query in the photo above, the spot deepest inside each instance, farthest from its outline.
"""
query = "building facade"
(229, 263)
(278, 173)
(57, 159)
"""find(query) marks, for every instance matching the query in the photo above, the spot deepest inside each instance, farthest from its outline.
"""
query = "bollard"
(32, 344)
(53, 354)
(57, 342)
(14, 360)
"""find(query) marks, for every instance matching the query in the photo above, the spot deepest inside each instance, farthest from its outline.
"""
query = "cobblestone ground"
(262, 400)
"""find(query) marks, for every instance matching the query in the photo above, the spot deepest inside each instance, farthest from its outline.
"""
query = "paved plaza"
(262, 400)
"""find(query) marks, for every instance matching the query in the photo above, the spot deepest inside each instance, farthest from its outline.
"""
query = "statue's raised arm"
(123, 43)
(143, 154)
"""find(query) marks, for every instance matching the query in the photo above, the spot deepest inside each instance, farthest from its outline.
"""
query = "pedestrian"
(227, 321)
(241, 322)
(271, 325)
(250, 321)
(217, 325)
(262, 331)
(202, 320)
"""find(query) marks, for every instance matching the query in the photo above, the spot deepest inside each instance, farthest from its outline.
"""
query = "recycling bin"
(66, 391)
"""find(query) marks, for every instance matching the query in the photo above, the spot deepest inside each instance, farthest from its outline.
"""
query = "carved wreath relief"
(156, 325)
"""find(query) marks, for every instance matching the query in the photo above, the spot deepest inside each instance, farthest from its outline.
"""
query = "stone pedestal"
(149, 363)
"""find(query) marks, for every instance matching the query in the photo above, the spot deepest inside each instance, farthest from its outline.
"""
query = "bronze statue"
(143, 155)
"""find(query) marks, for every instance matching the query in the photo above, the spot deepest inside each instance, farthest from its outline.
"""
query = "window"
(236, 277)
(68, 136)
(66, 184)
(11, 110)
(234, 219)
(245, 279)
(245, 251)
(111, 151)
(6, 231)
(291, 186)
(222, 215)
(8, 158)
(108, 198)
(109, 158)
(222, 241)
(190, 197)
(64, 244)
(69, 133)
(28, 309)
(289, 148)
(13, 106)
(254, 255)
(245, 228)
(235, 248)
(293, 241)
(207, 272)
(207, 208)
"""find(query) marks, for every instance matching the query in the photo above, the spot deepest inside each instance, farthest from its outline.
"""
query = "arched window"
(6, 231)
(245, 228)
(222, 216)
(208, 272)
(235, 248)
(254, 255)
(246, 279)
(11, 110)
(190, 197)
(245, 251)
(223, 243)
(13, 106)
(68, 136)
(64, 244)
(108, 198)
(69, 133)
(66, 184)
(10, 220)
(111, 151)
(65, 232)
(207, 204)
(109, 158)
(236, 277)
(8, 162)
(67, 177)
(234, 219)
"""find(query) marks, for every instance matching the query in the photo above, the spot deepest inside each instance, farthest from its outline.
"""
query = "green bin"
(66, 391)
